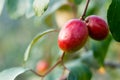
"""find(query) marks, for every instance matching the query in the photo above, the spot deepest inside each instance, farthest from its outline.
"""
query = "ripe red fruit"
(42, 67)
(73, 35)
(97, 27)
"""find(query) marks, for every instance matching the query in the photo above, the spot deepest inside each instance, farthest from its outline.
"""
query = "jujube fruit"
(42, 66)
(97, 27)
(73, 35)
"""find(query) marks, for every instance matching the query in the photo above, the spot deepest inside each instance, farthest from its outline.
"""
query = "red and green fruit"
(97, 27)
(73, 35)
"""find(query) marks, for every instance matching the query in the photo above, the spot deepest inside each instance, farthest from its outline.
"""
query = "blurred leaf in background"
(40, 6)
(12, 73)
(1, 5)
(19, 25)
(16, 8)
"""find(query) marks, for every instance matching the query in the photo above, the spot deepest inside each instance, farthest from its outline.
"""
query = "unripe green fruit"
(97, 27)
(73, 35)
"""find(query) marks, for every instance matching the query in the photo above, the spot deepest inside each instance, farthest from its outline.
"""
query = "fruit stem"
(84, 13)
(58, 62)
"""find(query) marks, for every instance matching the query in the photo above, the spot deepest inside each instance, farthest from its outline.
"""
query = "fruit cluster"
(74, 33)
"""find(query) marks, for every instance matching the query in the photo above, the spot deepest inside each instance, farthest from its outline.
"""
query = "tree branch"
(112, 65)
(84, 13)
(57, 63)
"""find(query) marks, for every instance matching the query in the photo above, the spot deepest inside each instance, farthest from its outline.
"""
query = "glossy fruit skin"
(42, 67)
(97, 27)
(73, 35)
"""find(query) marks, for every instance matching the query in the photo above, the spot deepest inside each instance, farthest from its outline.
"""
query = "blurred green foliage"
(19, 25)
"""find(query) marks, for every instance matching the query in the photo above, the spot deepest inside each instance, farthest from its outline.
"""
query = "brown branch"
(84, 13)
(62, 63)
(65, 68)
(58, 62)
(112, 65)
(62, 56)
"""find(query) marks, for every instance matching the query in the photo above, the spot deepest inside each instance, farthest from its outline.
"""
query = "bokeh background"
(16, 32)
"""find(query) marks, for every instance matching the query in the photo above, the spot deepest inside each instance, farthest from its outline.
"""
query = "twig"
(84, 13)
(65, 68)
(58, 62)
(111, 65)
(62, 56)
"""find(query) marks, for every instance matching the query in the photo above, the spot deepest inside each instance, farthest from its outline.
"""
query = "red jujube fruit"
(73, 35)
(97, 27)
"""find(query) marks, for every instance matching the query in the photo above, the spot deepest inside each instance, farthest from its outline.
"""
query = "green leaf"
(53, 6)
(79, 72)
(12, 73)
(77, 2)
(1, 5)
(38, 37)
(100, 49)
(89, 59)
(40, 6)
(113, 17)
(16, 8)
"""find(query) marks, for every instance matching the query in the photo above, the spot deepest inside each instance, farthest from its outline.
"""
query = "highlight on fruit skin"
(97, 27)
(73, 35)
(42, 66)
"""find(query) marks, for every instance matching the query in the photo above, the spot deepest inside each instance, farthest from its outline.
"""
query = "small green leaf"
(77, 2)
(113, 17)
(12, 73)
(100, 49)
(38, 37)
(1, 5)
(16, 8)
(79, 72)
(40, 6)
